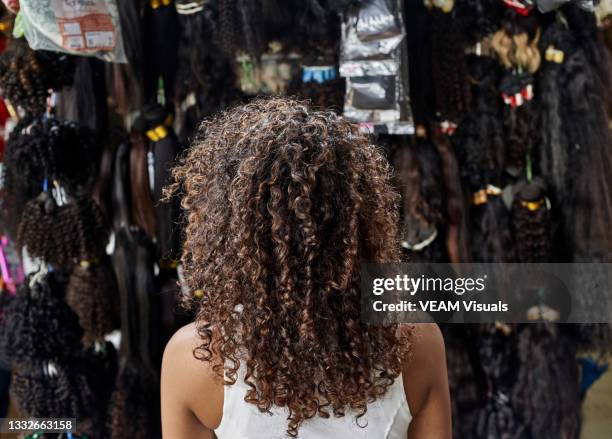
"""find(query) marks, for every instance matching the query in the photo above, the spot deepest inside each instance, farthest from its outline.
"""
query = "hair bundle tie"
(158, 133)
(554, 55)
(519, 7)
(482, 196)
(189, 8)
(532, 206)
(158, 3)
(319, 74)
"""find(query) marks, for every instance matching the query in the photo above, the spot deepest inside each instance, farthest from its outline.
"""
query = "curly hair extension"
(100, 360)
(40, 150)
(265, 186)
(63, 235)
(134, 405)
(27, 75)
(92, 294)
(63, 393)
(39, 326)
(531, 222)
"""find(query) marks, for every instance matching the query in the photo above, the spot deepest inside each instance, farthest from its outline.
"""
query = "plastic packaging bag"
(375, 63)
(78, 27)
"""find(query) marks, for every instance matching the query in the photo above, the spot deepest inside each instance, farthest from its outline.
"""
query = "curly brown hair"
(282, 205)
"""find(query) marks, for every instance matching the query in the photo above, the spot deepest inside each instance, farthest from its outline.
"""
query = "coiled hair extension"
(531, 222)
(27, 75)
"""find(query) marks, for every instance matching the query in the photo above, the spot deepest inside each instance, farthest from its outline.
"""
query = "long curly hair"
(282, 205)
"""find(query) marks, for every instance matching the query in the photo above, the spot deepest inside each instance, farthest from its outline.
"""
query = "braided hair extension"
(27, 75)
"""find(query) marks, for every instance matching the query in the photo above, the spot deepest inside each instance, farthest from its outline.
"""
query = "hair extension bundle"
(546, 392)
(585, 125)
(583, 25)
(205, 80)
(531, 222)
(42, 150)
(417, 174)
(27, 75)
(134, 406)
(449, 70)
(554, 154)
(41, 341)
(92, 294)
(143, 210)
(39, 326)
(63, 235)
(134, 402)
(479, 18)
(497, 418)
(457, 242)
(100, 360)
(481, 167)
(63, 391)
(161, 39)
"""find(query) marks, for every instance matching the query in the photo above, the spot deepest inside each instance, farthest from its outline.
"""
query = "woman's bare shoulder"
(188, 381)
(425, 368)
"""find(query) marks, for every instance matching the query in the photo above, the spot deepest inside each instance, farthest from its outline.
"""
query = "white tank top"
(387, 418)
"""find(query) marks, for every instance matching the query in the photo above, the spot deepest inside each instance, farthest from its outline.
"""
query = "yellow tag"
(532, 205)
(157, 133)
